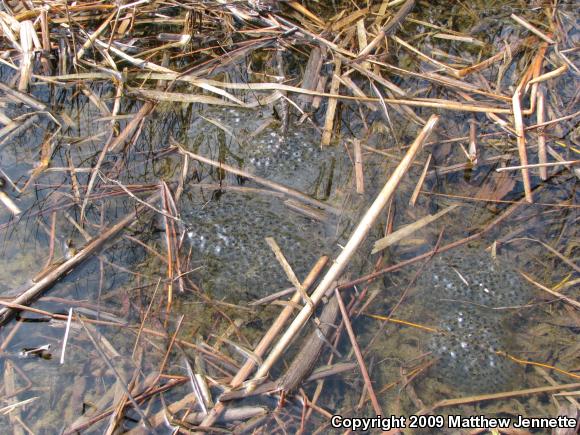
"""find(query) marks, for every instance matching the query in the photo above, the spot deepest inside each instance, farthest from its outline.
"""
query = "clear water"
(223, 252)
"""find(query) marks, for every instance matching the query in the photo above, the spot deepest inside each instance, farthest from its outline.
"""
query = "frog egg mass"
(469, 293)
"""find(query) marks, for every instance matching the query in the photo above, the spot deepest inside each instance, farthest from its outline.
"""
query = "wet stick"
(388, 28)
(309, 354)
(521, 141)
(272, 185)
(542, 153)
(358, 353)
(266, 341)
(354, 242)
(34, 291)
(332, 103)
(496, 396)
(358, 167)
(311, 76)
(419, 185)
(408, 230)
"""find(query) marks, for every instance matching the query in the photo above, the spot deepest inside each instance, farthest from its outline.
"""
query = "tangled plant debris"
(190, 193)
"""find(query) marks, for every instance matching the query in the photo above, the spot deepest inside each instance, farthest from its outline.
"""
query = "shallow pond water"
(464, 309)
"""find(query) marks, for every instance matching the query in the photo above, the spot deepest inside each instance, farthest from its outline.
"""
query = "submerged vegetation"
(250, 216)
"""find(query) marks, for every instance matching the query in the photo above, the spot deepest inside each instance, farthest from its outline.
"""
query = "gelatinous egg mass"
(472, 276)
(468, 293)
(228, 241)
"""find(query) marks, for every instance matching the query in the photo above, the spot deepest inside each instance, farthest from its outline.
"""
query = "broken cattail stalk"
(332, 103)
(88, 250)
(512, 49)
(288, 269)
(358, 167)
(389, 28)
(306, 12)
(309, 354)
(521, 141)
(266, 340)
(534, 71)
(540, 117)
(539, 165)
(45, 36)
(28, 39)
(311, 76)
(549, 75)
(419, 185)
(532, 29)
(408, 230)
(361, 34)
(346, 22)
(319, 89)
(348, 251)
(91, 39)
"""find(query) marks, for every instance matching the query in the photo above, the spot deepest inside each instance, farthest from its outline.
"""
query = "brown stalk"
(495, 396)
(358, 167)
(513, 49)
(359, 357)
(359, 234)
(521, 139)
(420, 182)
(332, 103)
(540, 117)
(388, 28)
(45, 40)
(34, 291)
(169, 245)
(266, 341)
(272, 185)
(311, 75)
(532, 28)
(288, 269)
(344, 22)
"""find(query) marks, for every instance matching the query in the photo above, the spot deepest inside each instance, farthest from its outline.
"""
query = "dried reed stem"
(344, 257)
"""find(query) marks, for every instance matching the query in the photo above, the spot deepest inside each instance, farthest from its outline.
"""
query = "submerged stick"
(354, 242)
(308, 356)
(265, 342)
(495, 396)
(60, 271)
(542, 153)
(255, 178)
(358, 353)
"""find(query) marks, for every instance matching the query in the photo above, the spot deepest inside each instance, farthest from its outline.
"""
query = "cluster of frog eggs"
(474, 277)
(228, 237)
(466, 351)
(275, 155)
(270, 153)
(463, 288)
